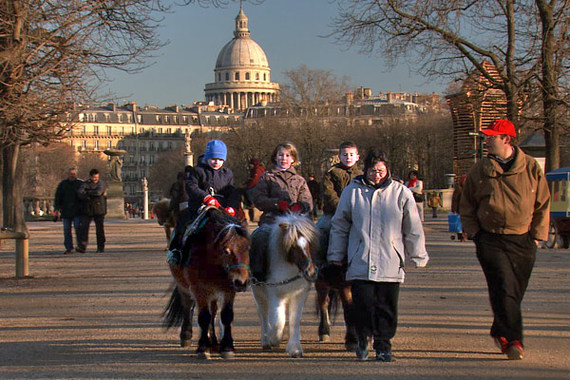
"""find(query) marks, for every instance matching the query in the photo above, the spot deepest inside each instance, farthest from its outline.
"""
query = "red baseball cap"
(500, 127)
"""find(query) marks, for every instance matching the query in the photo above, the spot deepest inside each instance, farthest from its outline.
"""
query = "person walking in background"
(280, 189)
(178, 196)
(417, 186)
(315, 189)
(94, 207)
(504, 208)
(434, 201)
(67, 207)
(374, 228)
(455, 198)
(255, 170)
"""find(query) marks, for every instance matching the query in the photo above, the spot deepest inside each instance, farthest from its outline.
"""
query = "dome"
(242, 52)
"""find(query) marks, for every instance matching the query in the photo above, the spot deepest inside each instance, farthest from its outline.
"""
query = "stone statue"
(115, 168)
(187, 145)
(144, 182)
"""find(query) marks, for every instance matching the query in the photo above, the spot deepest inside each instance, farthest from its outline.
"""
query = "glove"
(299, 207)
(230, 211)
(283, 206)
(296, 208)
(211, 201)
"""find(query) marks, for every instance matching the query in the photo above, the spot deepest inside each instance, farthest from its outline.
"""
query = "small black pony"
(215, 267)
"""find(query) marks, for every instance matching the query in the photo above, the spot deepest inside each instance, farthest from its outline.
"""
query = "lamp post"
(144, 182)
(479, 140)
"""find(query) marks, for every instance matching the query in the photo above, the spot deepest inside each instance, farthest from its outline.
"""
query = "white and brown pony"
(293, 241)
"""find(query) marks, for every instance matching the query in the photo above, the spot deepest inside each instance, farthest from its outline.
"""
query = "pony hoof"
(296, 355)
(324, 338)
(204, 355)
(227, 355)
(267, 347)
(185, 343)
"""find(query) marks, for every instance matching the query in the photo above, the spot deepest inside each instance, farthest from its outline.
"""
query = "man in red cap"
(505, 208)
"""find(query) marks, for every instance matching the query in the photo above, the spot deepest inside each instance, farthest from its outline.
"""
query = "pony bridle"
(303, 243)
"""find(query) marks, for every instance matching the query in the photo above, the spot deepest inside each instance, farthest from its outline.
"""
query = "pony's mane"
(298, 226)
(230, 226)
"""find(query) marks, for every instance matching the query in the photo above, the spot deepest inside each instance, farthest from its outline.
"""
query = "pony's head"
(232, 242)
(299, 242)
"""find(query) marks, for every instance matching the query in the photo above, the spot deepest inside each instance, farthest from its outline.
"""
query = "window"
(120, 118)
(185, 119)
(151, 161)
(264, 77)
(84, 144)
(169, 130)
(84, 129)
(139, 118)
(95, 129)
(157, 118)
(256, 76)
(96, 144)
(109, 131)
(129, 118)
(246, 76)
(175, 119)
(166, 120)
(109, 144)
(227, 76)
(122, 131)
(219, 77)
(237, 75)
(160, 130)
(107, 117)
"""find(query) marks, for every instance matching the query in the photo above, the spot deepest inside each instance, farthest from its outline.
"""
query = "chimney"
(389, 97)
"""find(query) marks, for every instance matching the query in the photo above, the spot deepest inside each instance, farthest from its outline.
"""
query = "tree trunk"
(13, 205)
(549, 89)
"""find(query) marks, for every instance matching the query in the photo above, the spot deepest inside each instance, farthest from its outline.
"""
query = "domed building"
(242, 75)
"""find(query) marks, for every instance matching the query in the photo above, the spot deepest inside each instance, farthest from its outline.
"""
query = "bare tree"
(54, 54)
(163, 173)
(449, 38)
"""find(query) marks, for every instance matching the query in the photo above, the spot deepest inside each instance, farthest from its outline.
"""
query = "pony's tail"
(173, 313)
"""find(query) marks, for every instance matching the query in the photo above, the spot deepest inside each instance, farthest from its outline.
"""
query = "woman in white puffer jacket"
(375, 228)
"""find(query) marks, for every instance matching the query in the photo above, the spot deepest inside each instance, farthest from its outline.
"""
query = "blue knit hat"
(216, 149)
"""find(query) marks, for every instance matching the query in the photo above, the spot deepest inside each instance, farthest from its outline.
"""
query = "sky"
(289, 31)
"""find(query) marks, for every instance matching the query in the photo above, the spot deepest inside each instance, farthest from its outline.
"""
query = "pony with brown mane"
(215, 265)
(292, 243)
(165, 216)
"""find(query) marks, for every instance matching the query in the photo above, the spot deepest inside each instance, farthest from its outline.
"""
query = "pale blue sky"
(288, 31)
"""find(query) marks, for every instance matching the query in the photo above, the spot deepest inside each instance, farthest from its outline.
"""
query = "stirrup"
(174, 257)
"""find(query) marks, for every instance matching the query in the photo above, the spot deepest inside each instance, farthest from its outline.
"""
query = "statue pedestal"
(115, 200)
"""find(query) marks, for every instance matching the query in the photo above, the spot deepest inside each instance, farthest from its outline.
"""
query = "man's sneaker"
(515, 350)
(80, 250)
(502, 343)
(384, 356)
(68, 252)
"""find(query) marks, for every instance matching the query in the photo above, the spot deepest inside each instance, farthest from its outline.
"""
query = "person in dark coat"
(67, 204)
(209, 184)
(315, 189)
(256, 169)
(94, 207)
